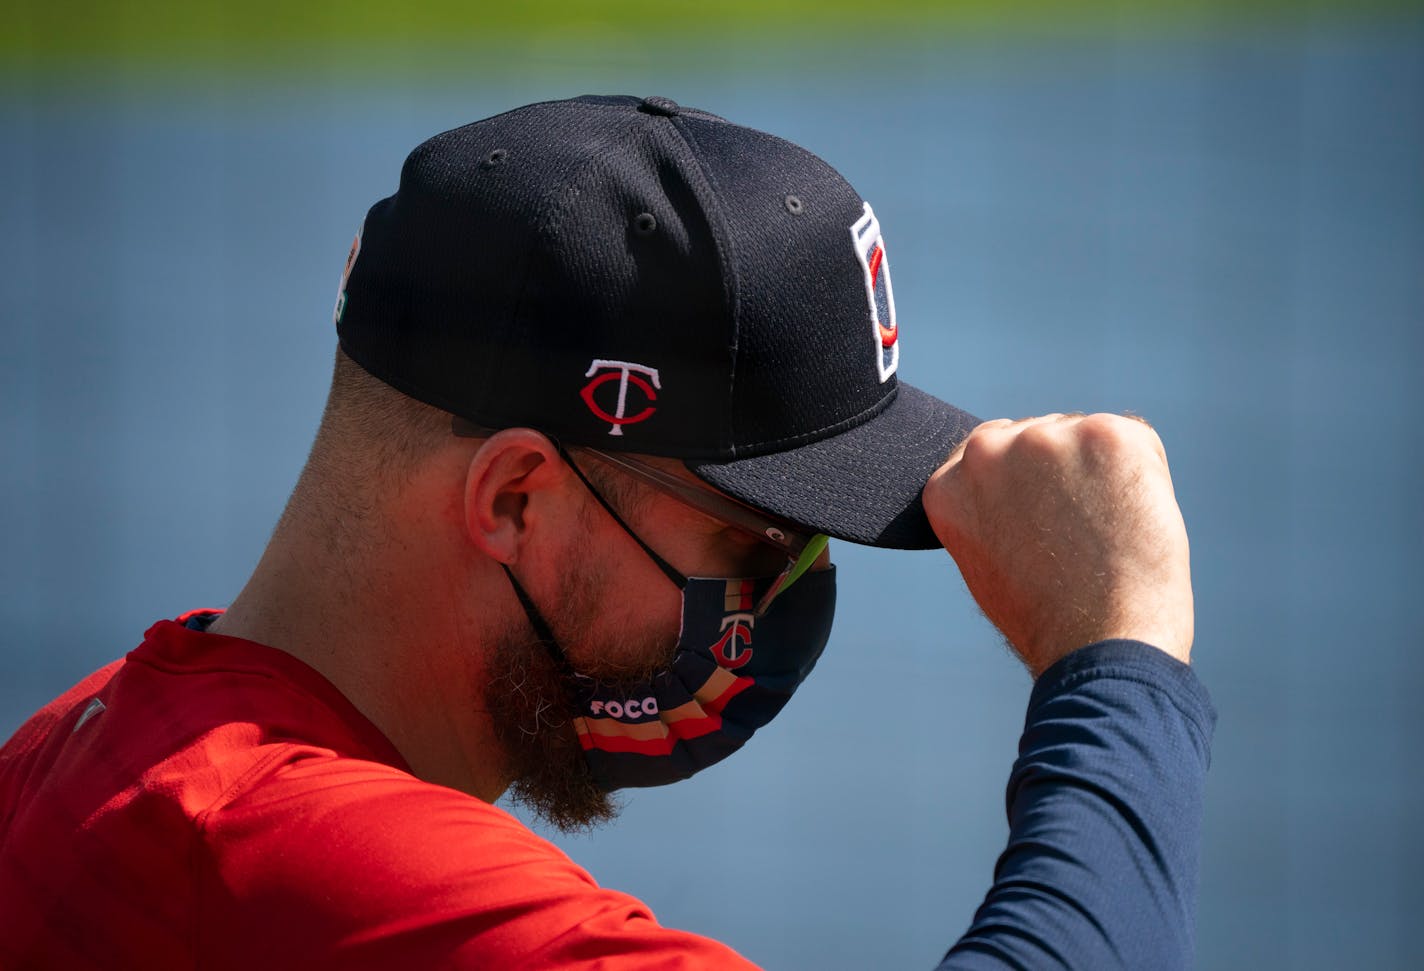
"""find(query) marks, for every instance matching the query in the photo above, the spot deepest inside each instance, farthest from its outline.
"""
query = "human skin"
(1067, 532)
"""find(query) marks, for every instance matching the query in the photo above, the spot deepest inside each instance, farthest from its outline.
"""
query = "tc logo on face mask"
(733, 648)
(624, 710)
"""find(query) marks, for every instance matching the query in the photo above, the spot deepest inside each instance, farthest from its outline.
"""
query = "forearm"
(1104, 805)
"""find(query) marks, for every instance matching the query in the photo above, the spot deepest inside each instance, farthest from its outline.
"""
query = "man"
(610, 371)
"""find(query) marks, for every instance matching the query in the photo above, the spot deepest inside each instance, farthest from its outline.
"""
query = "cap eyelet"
(496, 157)
(794, 205)
(644, 223)
(774, 534)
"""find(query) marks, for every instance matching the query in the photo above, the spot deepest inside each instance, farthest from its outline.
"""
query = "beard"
(532, 711)
(532, 708)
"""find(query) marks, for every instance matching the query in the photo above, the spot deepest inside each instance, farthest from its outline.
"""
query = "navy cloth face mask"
(733, 669)
(731, 673)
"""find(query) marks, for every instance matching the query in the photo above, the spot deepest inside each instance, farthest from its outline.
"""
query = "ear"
(508, 491)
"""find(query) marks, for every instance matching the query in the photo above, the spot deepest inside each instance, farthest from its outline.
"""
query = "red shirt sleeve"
(335, 862)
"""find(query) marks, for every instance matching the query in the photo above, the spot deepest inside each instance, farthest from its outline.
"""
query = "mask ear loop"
(542, 631)
(677, 578)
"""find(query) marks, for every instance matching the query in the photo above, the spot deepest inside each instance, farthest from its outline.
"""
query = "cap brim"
(861, 485)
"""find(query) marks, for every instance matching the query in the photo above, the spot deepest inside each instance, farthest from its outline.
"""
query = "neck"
(330, 593)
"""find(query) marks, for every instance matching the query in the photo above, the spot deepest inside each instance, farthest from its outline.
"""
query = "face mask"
(733, 669)
(731, 673)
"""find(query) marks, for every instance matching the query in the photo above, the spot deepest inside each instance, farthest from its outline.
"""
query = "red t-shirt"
(210, 802)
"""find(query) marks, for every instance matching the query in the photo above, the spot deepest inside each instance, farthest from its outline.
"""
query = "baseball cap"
(632, 275)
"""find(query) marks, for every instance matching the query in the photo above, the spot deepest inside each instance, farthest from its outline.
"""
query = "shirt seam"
(201, 832)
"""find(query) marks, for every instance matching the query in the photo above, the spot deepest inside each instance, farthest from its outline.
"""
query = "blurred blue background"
(1217, 225)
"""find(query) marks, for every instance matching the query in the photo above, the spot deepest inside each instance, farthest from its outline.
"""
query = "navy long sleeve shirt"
(1105, 808)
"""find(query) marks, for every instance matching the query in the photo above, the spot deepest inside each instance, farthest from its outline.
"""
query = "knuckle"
(1119, 435)
(986, 442)
(1041, 437)
(991, 426)
(1102, 423)
(1108, 429)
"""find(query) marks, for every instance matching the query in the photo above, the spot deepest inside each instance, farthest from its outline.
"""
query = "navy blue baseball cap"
(632, 275)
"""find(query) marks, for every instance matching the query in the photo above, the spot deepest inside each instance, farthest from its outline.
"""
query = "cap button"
(657, 105)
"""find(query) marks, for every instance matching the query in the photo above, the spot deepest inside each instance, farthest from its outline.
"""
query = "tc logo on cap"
(625, 373)
(885, 333)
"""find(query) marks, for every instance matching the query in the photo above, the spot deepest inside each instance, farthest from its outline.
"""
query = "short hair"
(393, 431)
(373, 438)
(370, 443)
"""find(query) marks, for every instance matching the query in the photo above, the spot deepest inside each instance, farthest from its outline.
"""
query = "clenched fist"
(1067, 531)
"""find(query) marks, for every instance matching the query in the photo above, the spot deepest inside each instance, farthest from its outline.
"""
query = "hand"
(1067, 531)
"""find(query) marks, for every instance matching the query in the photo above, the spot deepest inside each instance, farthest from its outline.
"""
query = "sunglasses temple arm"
(793, 571)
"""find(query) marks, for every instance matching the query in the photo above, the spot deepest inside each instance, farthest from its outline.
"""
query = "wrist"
(1172, 641)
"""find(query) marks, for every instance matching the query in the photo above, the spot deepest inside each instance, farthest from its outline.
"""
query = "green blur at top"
(75, 33)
